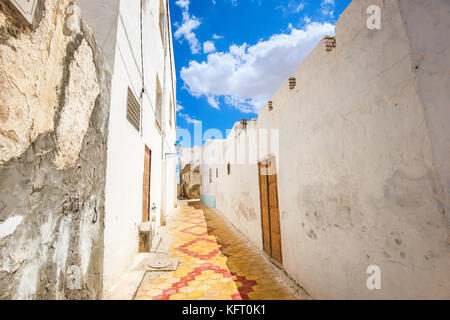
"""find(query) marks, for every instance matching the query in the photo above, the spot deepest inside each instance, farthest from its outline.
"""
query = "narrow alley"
(224, 150)
(216, 263)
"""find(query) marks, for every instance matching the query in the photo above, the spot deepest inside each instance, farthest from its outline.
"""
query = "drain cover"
(160, 262)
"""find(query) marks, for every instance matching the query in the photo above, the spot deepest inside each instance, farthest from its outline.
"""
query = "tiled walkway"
(215, 264)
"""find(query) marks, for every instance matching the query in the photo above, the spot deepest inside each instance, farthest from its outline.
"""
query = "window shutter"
(133, 110)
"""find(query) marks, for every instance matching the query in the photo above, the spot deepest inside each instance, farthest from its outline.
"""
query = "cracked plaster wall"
(54, 110)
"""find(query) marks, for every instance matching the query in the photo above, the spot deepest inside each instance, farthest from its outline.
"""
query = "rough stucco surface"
(80, 96)
(31, 64)
(363, 167)
(366, 190)
(57, 191)
(430, 57)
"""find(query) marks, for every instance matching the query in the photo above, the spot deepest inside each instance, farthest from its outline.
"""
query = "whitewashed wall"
(362, 178)
(126, 146)
(211, 155)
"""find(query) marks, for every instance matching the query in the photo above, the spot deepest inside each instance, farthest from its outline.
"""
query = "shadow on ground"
(253, 275)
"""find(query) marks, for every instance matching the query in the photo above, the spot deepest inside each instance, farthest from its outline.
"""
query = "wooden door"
(270, 215)
(146, 185)
(265, 223)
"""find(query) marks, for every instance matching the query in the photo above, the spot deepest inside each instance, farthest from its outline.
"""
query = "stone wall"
(54, 109)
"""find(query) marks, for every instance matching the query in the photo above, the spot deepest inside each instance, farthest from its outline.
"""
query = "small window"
(158, 110)
(217, 172)
(133, 110)
(229, 168)
(210, 175)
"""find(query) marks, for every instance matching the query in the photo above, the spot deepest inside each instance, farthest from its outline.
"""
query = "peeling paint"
(53, 160)
(9, 226)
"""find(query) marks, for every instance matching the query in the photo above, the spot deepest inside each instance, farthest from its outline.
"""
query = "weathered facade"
(55, 94)
(71, 162)
(190, 173)
(361, 154)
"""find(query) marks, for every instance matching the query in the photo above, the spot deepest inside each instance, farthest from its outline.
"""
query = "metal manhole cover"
(159, 263)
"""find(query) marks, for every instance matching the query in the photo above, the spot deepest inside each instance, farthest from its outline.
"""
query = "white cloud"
(184, 4)
(213, 102)
(185, 30)
(299, 7)
(293, 6)
(208, 47)
(188, 119)
(327, 7)
(247, 76)
(216, 37)
(179, 108)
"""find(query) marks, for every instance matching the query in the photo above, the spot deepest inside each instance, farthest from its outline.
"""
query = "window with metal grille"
(210, 175)
(133, 110)
(229, 168)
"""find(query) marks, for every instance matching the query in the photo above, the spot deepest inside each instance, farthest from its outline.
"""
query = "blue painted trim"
(208, 200)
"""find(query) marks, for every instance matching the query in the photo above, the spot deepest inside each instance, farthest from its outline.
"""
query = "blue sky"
(232, 55)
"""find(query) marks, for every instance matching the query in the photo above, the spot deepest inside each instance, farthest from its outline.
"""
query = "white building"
(139, 47)
(212, 155)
